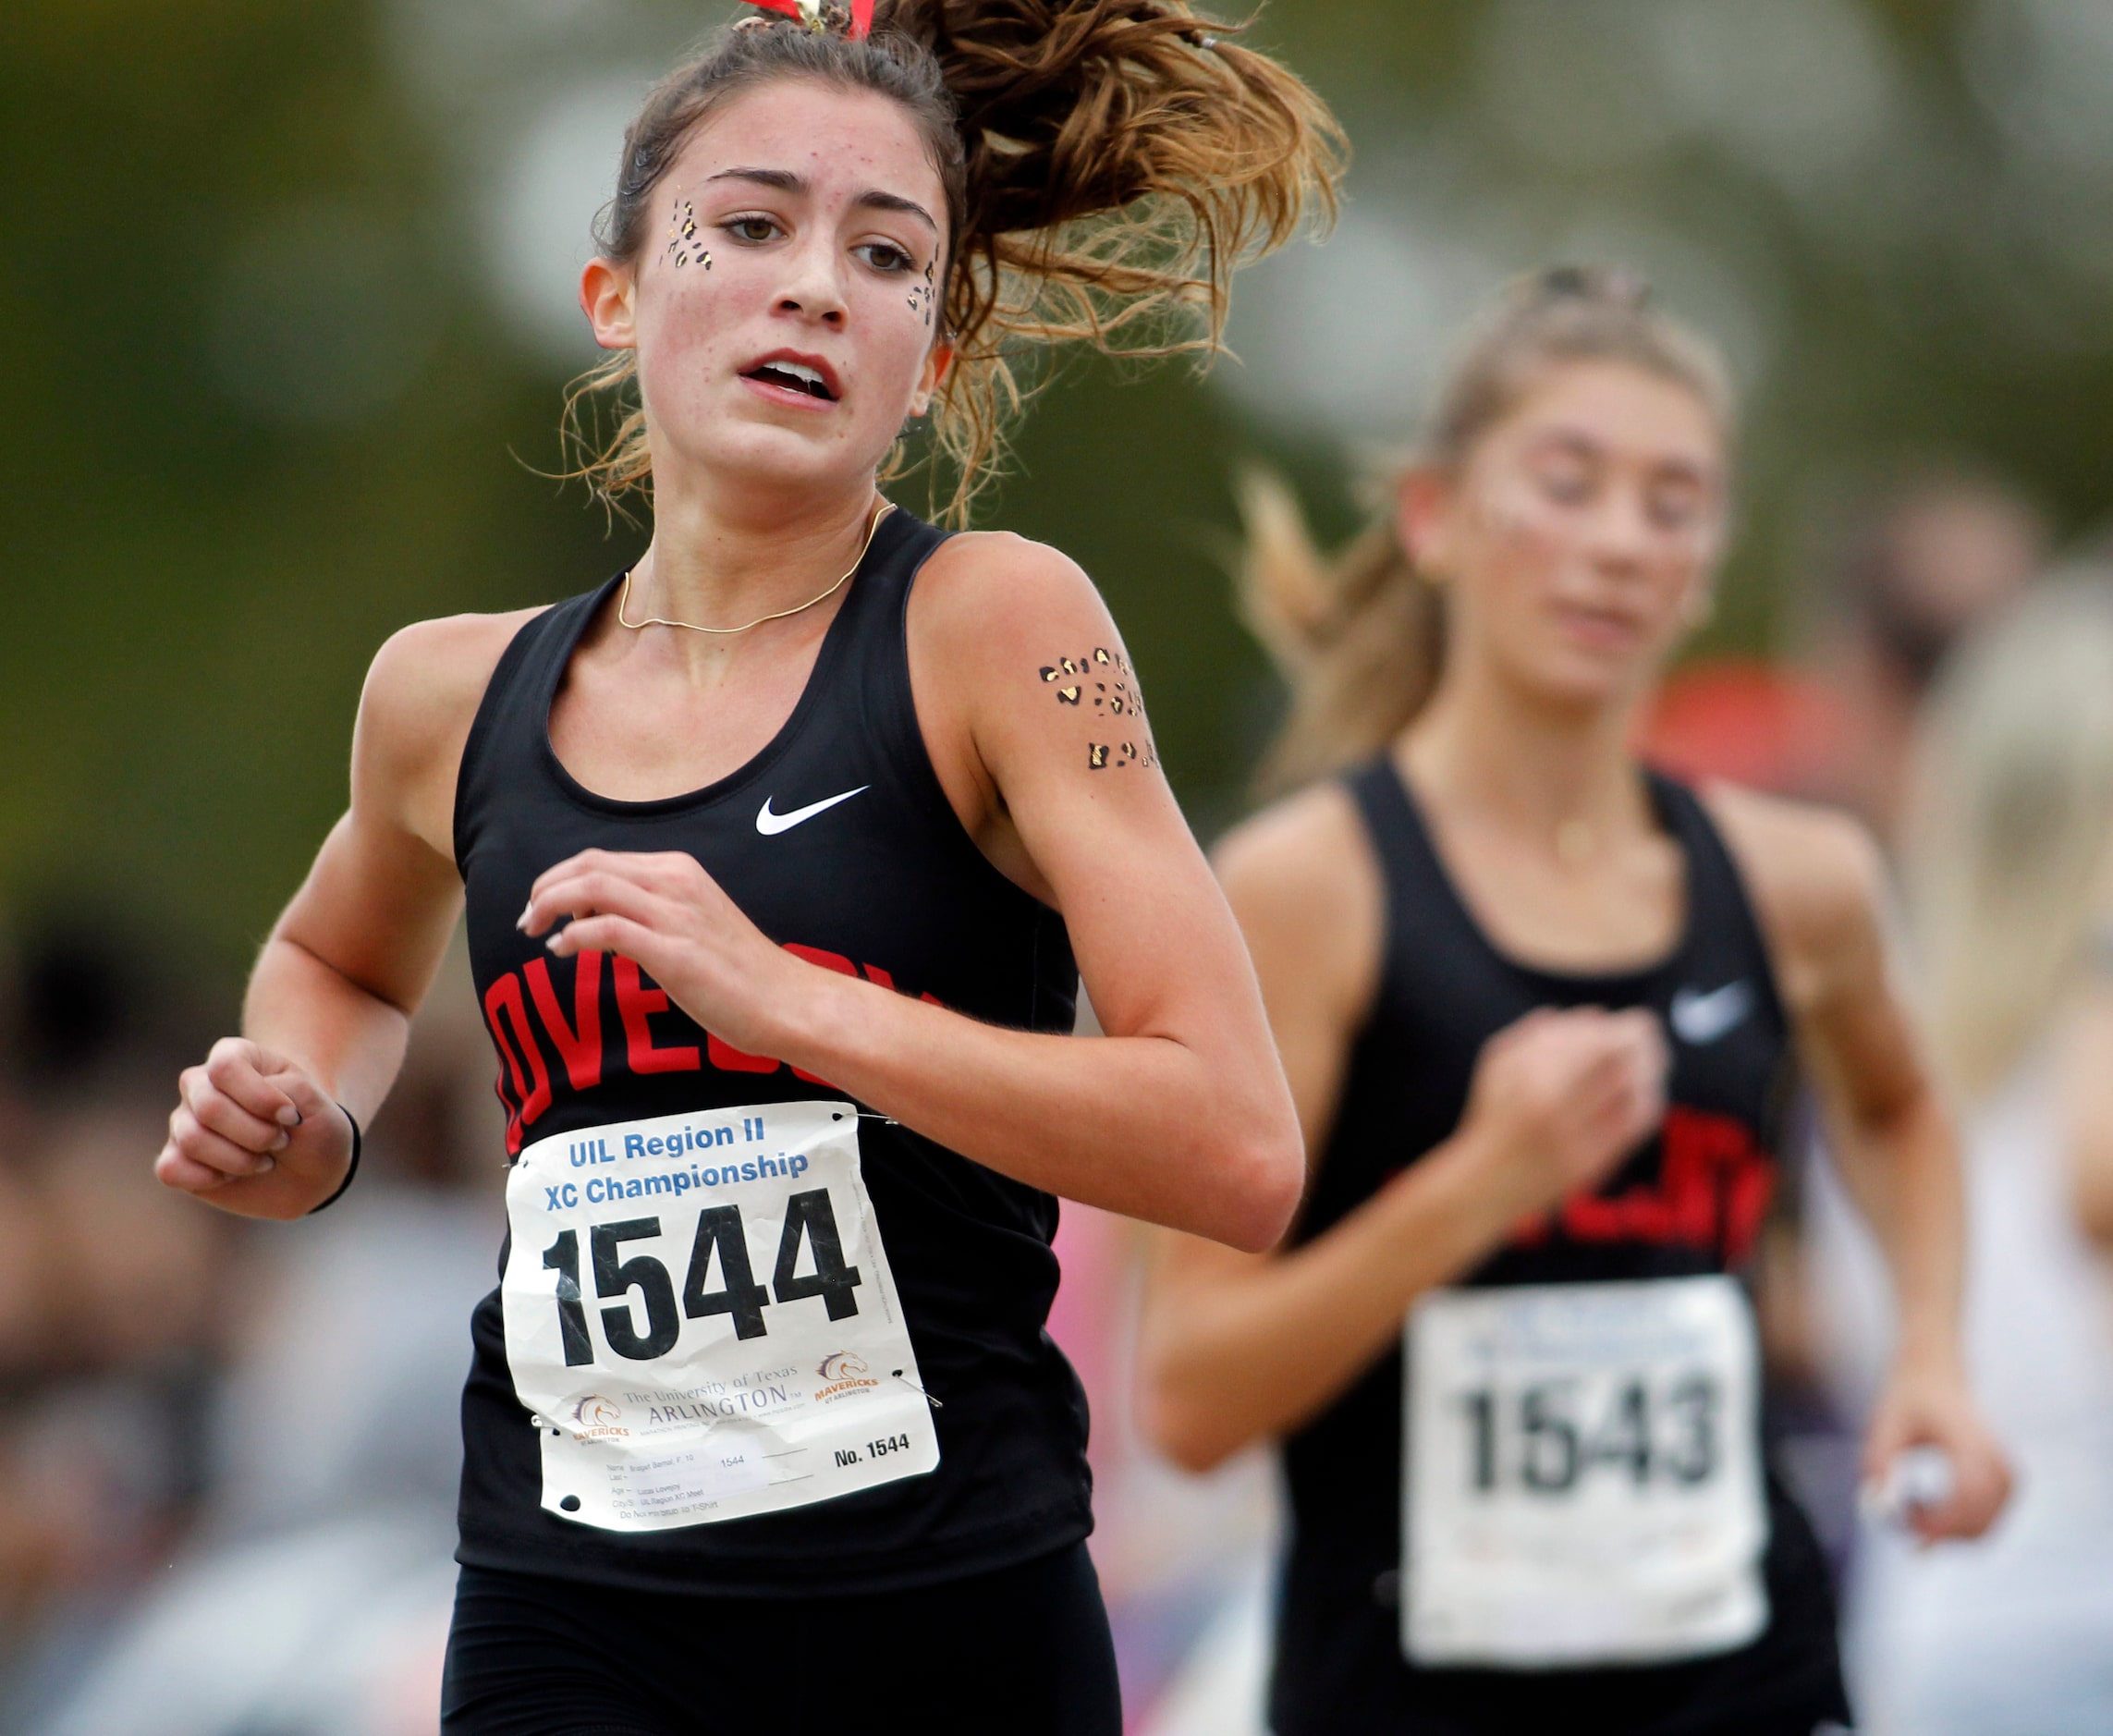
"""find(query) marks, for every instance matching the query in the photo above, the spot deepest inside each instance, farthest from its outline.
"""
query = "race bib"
(1582, 1474)
(701, 1319)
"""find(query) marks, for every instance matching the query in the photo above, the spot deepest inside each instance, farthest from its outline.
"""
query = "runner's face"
(1579, 539)
(784, 310)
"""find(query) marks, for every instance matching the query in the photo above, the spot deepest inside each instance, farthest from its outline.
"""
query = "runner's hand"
(676, 923)
(1561, 1098)
(1931, 1407)
(251, 1131)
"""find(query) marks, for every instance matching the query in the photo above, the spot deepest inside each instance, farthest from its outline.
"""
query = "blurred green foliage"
(195, 587)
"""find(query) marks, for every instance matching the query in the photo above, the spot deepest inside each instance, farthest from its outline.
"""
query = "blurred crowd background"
(285, 313)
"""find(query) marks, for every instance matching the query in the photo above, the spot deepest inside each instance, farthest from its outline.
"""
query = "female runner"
(1542, 1506)
(812, 808)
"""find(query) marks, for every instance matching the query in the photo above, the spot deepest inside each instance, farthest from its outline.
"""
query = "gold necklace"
(873, 527)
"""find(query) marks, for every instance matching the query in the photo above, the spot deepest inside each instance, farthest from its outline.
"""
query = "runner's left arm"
(1180, 1114)
(1820, 886)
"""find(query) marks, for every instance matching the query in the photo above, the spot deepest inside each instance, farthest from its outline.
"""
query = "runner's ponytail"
(1108, 165)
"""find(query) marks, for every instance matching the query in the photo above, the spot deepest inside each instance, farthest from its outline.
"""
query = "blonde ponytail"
(1359, 638)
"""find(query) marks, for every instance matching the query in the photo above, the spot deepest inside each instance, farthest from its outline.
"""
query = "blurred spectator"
(2011, 869)
(319, 1502)
(1914, 566)
(1906, 572)
(1751, 722)
(111, 1296)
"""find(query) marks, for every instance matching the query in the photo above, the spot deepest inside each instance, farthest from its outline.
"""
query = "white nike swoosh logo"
(1699, 1019)
(770, 825)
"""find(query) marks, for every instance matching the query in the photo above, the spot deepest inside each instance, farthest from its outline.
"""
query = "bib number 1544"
(809, 1219)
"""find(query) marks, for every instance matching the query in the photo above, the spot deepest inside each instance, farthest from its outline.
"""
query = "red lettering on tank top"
(581, 1040)
(1714, 1186)
(505, 996)
(1745, 1208)
(635, 1004)
(1587, 1217)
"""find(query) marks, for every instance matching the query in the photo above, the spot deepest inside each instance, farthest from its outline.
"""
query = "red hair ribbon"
(856, 21)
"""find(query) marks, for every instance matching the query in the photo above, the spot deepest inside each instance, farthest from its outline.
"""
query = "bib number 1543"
(810, 1220)
(1547, 1436)
(1582, 1474)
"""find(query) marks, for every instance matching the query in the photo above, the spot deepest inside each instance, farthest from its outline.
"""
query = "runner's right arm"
(261, 1128)
(1239, 1348)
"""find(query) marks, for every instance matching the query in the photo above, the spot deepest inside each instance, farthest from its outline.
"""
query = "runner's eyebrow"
(878, 201)
(786, 181)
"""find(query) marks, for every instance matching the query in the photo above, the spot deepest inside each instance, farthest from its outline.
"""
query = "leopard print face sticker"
(684, 246)
(922, 295)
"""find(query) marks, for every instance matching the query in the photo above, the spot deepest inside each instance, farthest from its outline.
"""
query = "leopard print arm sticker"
(1102, 686)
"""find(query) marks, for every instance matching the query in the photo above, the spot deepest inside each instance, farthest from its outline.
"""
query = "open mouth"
(793, 377)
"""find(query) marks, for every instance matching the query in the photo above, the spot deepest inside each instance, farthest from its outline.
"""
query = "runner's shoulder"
(1817, 874)
(1301, 842)
(987, 594)
(425, 684)
(1305, 865)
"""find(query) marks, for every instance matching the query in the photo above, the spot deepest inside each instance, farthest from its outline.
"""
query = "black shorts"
(1024, 1650)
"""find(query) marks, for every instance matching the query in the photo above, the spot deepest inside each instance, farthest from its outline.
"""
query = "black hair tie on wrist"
(351, 1169)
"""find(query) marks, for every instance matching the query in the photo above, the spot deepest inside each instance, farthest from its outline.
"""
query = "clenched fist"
(255, 1135)
(1561, 1098)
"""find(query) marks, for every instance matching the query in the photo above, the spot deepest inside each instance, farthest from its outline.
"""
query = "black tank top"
(1690, 1202)
(883, 883)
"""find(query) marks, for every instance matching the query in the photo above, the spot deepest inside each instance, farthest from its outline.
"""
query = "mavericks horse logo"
(843, 1373)
(595, 1414)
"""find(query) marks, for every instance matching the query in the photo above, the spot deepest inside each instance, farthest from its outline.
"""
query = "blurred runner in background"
(1546, 1506)
(805, 1437)
(2010, 872)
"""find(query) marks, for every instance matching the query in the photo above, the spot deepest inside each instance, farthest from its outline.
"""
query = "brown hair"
(1360, 637)
(1107, 164)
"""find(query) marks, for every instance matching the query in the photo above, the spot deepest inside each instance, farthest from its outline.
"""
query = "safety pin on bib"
(937, 1404)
